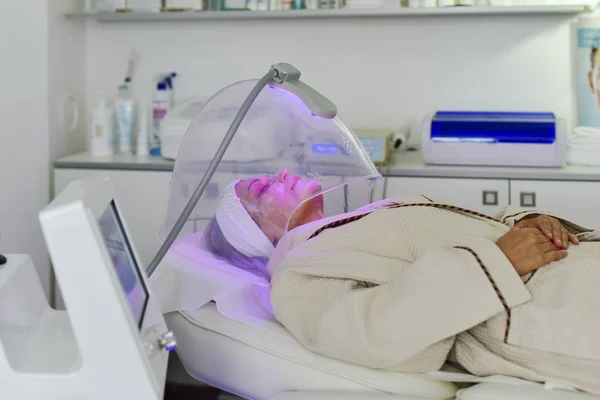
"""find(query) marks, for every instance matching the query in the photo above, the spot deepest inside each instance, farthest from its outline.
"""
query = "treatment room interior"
(383, 74)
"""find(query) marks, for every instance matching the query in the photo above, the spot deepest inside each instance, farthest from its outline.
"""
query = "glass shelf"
(339, 13)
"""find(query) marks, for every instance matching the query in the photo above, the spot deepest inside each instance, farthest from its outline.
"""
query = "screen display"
(124, 262)
(325, 148)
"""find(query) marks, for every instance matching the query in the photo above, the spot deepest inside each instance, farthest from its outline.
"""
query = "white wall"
(67, 72)
(66, 68)
(42, 57)
(379, 72)
(24, 157)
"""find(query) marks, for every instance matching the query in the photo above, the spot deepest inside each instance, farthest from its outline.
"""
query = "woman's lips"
(296, 180)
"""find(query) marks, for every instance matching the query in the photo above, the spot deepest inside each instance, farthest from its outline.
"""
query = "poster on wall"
(588, 72)
(583, 144)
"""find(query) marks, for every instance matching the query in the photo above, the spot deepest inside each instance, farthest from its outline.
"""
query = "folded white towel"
(587, 132)
(583, 156)
(583, 146)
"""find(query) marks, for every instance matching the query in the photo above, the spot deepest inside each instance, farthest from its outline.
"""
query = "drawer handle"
(528, 199)
(490, 197)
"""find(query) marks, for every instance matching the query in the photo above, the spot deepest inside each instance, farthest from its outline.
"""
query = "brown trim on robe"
(519, 213)
(530, 276)
(496, 289)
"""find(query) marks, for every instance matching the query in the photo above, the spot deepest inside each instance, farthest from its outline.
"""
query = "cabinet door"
(487, 196)
(576, 201)
(142, 196)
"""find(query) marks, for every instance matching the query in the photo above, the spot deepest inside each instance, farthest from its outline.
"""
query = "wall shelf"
(341, 13)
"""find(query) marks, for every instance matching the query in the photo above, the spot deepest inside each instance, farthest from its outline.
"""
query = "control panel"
(158, 342)
(378, 144)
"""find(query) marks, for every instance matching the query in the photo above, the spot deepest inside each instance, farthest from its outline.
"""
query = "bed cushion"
(529, 391)
(190, 277)
(262, 360)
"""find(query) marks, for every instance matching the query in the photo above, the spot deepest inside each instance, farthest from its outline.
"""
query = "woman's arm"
(552, 225)
(510, 215)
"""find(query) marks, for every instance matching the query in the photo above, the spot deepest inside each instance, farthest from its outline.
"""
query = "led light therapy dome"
(255, 128)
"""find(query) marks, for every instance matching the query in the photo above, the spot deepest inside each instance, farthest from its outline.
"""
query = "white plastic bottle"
(125, 107)
(142, 146)
(168, 80)
(102, 130)
(160, 107)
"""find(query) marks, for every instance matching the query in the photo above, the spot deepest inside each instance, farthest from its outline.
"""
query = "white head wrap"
(239, 228)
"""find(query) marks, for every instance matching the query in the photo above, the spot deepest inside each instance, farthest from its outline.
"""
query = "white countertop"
(406, 164)
(123, 161)
(411, 164)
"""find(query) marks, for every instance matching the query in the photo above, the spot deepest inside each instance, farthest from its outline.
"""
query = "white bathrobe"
(407, 289)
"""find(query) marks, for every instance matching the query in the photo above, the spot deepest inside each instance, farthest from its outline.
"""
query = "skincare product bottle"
(142, 146)
(101, 130)
(124, 107)
(168, 80)
(160, 107)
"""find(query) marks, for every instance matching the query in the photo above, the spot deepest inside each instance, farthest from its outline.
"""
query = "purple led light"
(297, 99)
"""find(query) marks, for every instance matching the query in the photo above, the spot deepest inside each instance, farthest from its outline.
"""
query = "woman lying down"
(407, 286)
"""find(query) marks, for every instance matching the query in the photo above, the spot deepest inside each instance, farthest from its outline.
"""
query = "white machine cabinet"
(143, 195)
(576, 200)
(487, 196)
(141, 184)
(572, 191)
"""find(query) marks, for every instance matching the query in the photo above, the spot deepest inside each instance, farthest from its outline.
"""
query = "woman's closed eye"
(264, 189)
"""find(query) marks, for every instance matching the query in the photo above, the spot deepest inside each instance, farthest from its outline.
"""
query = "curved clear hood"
(279, 138)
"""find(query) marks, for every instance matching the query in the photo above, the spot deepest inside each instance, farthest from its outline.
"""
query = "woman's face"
(270, 201)
(594, 77)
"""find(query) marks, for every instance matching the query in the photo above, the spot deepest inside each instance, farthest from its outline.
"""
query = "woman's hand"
(528, 249)
(551, 228)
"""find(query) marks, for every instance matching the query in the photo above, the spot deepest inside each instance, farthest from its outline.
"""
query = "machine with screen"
(112, 342)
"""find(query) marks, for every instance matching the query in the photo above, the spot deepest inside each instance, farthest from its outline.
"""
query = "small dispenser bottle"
(102, 130)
